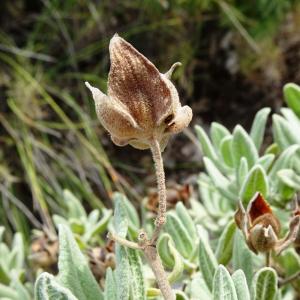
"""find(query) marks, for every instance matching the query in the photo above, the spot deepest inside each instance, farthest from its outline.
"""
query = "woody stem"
(161, 188)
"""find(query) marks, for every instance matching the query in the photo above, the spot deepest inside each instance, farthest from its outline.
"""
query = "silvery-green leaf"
(58, 220)
(284, 161)
(284, 133)
(273, 149)
(186, 220)
(7, 292)
(226, 150)
(225, 244)
(291, 117)
(266, 161)
(99, 227)
(240, 283)
(164, 250)
(243, 146)
(217, 133)
(207, 260)
(206, 146)
(178, 263)
(23, 293)
(4, 274)
(258, 126)
(47, 288)
(17, 255)
(291, 92)
(242, 171)
(137, 278)
(120, 215)
(180, 235)
(242, 256)
(264, 285)
(122, 273)
(132, 214)
(290, 178)
(75, 209)
(74, 272)
(219, 180)
(256, 181)
(110, 290)
(223, 287)
(199, 289)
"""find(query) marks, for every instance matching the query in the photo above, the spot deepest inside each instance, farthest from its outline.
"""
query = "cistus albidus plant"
(142, 109)
(196, 251)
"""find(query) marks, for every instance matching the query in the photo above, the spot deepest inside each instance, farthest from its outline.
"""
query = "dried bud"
(259, 225)
(142, 104)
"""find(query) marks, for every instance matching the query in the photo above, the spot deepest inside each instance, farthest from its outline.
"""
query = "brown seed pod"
(141, 103)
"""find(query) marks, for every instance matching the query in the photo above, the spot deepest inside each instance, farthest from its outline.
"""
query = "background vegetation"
(236, 57)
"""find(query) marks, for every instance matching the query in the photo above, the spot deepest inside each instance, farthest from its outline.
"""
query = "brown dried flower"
(141, 103)
(261, 227)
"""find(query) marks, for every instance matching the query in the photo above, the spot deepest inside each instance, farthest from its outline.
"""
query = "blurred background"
(236, 56)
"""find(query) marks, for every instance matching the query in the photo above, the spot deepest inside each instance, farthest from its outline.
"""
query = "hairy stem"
(161, 189)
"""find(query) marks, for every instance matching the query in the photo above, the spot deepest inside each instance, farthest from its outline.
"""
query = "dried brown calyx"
(261, 227)
(141, 103)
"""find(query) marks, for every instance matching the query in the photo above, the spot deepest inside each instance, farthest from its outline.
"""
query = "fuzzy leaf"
(226, 150)
(217, 133)
(242, 171)
(266, 161)
(164, 250)
(225, 244)
(240, 283)
(289, 178)
(258, 126)
(186, 219)
(207, 260)
(75, 209)
(264, 285)
(110, 291)
(74, 272)
(180, 235)
(243, 146)
(284, 133)
(291, 92)
(46, 287)
(223, 287)
(136, 279)
(256, 181)
(242, 256)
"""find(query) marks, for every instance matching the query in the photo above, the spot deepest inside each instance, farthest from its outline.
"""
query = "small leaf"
(75, 209)
(223, 287)
(258, 126)
(266, 161)
(46, 287)
(240, 283)
(217, 133)
(242, 256)
(264, 285)
(256, 181)
(291, 92)
(164, 250)
(243, 146)
(219, 180)
(74, 272)
(122, 273)
(110, 291)
(289, 178)
(284, 134)
(225, 244)
(178, 263)
(207, 261)
(120, 215)
(7, 292)
(242, 171)
(199, 288)
(186, 219)
(226, 151)
(180, 235)
(136, 279)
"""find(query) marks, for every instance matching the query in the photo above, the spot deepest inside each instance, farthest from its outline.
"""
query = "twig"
(289, 279)
(161, 188)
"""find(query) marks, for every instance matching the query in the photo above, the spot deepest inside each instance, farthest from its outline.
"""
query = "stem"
(161, 189)
(268, 258)
(154, 261)
(289, 279)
